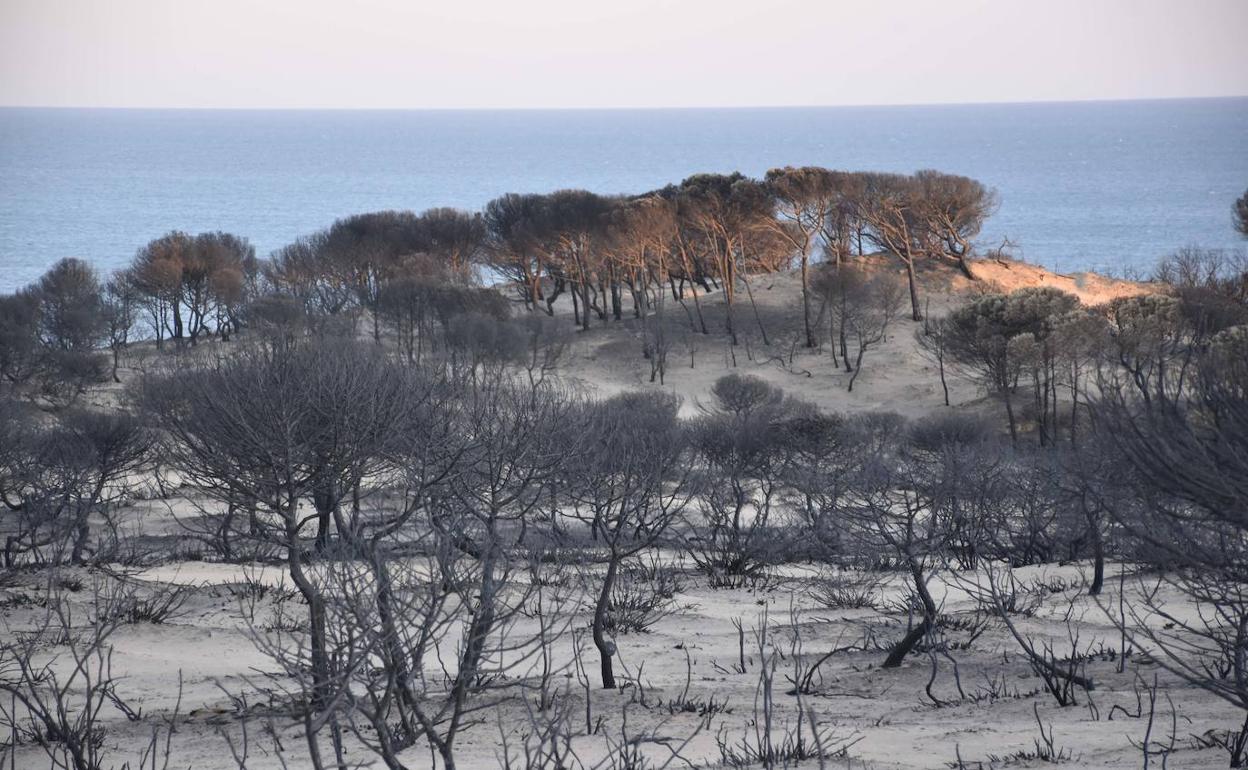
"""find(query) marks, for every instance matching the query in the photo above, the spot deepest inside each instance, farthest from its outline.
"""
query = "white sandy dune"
(883, 716)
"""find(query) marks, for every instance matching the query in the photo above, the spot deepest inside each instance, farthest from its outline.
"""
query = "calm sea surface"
(1084, 186)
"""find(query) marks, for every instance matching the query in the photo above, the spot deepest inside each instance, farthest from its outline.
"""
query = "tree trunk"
(965, 267)
(862, 349)
(1009, 413)
(322, 500)
(1098, 568)
(916, 314)
(606, 650)
(940, 360)
(316, 624)
(585, 305)
(810, 333)
(1074, 408)
(1098, 553)
(907, 643)
(732, 331)
(697, 306)
(903, 648)
(749, 291)
(832, 339)
(386, 616)
(844, 338)
(82, 533)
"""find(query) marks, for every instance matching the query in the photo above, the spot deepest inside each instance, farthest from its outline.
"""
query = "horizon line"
(653, 108)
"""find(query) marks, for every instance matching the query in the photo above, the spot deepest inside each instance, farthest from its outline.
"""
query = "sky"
(622, 53)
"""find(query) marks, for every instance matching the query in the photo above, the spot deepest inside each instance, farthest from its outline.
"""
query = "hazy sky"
(619, 53)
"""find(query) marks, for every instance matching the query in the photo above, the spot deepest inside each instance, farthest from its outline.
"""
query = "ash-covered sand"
(980, 705)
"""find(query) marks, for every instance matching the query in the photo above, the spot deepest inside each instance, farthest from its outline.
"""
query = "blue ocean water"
(1105, 186)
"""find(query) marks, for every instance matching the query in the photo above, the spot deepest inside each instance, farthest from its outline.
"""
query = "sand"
(895, 377)
(883, 715)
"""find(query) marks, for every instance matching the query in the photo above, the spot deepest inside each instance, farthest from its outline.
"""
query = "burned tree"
(60, 476)
(512, 248)
(273, 428)
(121, 316)
(1239, 214)
(741, 461)
(629, 484)
(914, 492)
(861, 306)
(20, 351)
(1184, 446)
(70, 307)
(1000, 338)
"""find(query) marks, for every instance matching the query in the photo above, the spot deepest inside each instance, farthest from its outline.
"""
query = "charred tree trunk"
(810, 332)
(606, 649)
(907, 643)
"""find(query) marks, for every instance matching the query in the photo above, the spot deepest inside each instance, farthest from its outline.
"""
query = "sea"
(1102, 186)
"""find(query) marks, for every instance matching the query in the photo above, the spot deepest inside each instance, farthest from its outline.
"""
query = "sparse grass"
(120, 601)
(846, 591)
(637, 604)
(1044, 750)
(254, 589)
(791, 746)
